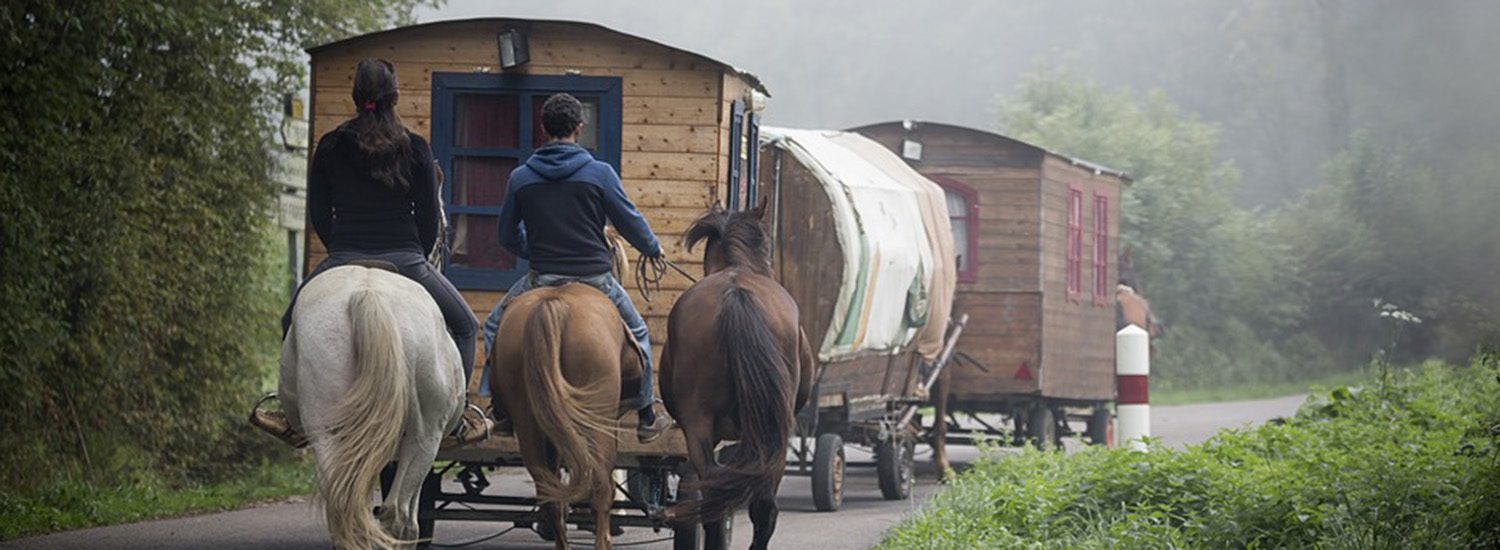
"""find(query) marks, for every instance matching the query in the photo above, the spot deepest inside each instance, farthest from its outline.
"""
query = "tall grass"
(1415, 464)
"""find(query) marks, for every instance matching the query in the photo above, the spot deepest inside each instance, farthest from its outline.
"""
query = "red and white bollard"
(1132, 370)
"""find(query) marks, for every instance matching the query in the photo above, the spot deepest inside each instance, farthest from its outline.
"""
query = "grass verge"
(1256, 391)
(1408, 460)
(76, 504)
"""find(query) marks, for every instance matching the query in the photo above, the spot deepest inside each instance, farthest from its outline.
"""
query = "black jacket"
(352, 211)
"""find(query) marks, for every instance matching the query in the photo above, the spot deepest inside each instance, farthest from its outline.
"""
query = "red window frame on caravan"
(1075, 241)
(1101, 249)
(970, 219)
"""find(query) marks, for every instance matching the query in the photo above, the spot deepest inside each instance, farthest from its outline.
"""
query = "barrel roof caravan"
(864, 246)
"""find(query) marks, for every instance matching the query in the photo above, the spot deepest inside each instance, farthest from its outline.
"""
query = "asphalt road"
(860, 524)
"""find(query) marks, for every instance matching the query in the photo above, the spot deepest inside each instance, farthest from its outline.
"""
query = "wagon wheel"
(828, 473)
(1041, 428)
(1101, 426)
(895, 467)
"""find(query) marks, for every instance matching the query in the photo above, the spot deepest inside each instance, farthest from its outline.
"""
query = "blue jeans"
(607, 284)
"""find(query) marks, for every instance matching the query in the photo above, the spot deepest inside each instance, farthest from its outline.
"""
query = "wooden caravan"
(1037, 236)
(665, 118)
(673, 123)
(863, 245)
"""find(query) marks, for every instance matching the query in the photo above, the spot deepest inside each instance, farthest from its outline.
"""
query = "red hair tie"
(369, 106)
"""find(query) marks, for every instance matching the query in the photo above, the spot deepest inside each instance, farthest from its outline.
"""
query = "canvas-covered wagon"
(1037, 238)
(671, 122)
(862, 243)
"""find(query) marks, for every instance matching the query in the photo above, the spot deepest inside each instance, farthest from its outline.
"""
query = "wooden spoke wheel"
(1041, 427)
(828, 473)
(895, 466)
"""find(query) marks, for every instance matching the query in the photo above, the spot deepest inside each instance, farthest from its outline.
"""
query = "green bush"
(138, 299)
(1413, 462)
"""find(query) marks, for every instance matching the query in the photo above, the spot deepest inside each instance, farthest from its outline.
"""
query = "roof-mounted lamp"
(514, 51)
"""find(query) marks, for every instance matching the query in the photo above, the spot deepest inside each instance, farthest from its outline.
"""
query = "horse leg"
(413, 462)
(540, 460)
(700, 445)
(555, 515)
(940, 428)
(763, 514)
(603, 499)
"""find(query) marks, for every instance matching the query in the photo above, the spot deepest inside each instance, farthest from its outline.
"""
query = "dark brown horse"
(564, 400)
(736, 367)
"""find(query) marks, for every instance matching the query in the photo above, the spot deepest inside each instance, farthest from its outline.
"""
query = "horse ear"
(763, 207)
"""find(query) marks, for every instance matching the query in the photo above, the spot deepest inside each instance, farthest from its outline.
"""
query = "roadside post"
(1132, 370)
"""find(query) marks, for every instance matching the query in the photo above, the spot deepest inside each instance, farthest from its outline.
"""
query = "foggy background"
(1299, 164)
(1256, 68)
(1286, 80)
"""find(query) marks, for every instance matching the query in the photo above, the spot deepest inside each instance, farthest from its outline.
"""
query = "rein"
(649, 273)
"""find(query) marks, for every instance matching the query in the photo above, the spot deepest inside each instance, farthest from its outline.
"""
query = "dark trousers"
(410, 263)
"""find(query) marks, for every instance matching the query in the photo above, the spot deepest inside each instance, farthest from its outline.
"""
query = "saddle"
(375, 264)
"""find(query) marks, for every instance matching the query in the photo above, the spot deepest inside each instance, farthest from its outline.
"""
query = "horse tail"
(763, 410)
(558, 408)
(365, 426)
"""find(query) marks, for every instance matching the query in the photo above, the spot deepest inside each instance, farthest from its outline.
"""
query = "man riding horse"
(555, 208)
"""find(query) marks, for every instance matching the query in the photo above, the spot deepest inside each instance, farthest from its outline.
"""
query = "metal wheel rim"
(838, 476)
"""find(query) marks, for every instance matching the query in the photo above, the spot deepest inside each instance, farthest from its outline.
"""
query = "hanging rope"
(649, 273)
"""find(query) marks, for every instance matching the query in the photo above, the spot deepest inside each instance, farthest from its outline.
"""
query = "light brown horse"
(564, 400)
(736, 367)
(1131, 308)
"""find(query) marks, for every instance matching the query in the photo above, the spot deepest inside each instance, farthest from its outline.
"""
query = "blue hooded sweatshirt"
(555, 208)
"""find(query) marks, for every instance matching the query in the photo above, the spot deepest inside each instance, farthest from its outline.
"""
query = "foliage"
(1385, 226)
(1413, 464)
(1214, 272)
(137, 305)
(73, 504)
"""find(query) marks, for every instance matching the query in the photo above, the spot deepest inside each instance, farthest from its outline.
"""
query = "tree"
(1214, 270)
(135, 317)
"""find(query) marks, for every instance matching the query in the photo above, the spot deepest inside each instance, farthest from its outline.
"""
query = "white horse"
(370, 375)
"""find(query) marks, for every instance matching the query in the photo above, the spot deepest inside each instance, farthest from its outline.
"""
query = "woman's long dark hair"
(377, 129)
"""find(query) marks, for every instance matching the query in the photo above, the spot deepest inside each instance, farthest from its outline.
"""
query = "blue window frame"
(483, 126)
(744, 157)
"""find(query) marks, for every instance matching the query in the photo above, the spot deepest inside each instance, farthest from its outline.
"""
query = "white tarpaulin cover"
(892, 226)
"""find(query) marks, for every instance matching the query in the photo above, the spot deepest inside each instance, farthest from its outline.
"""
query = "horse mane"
(739, 235)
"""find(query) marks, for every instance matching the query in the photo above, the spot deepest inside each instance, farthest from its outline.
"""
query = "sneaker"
(473, 427)
(647, 433)
(276, 424)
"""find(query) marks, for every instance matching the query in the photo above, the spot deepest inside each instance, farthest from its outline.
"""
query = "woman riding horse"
(737, 366)
(373, 197)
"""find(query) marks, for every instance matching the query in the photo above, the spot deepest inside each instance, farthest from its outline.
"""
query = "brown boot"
(276, 424)
(473, 427)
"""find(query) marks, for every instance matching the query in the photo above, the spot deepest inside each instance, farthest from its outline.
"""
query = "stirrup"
(276, 423)
(470, 432)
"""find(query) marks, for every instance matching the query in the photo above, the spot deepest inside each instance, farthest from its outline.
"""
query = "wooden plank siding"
(673, 127)
(1078, 346)
(1018, 306)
